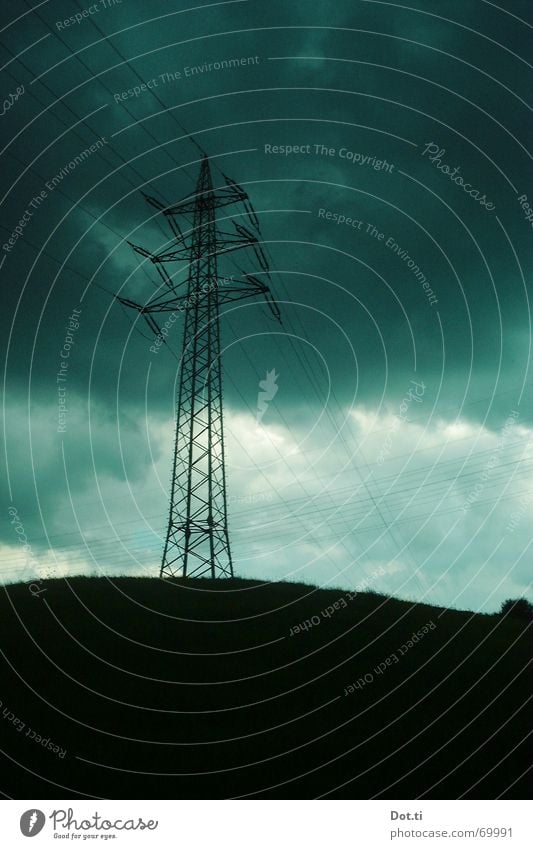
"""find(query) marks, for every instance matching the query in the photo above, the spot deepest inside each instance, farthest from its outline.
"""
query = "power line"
(334, 537)
(285, 507)
(308, 368)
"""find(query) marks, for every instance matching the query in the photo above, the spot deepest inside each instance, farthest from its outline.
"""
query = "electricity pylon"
(197, 542)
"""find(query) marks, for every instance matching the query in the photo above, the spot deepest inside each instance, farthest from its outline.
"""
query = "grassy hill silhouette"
(204, 689)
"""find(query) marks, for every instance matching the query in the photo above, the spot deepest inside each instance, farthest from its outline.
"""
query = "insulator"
(153, 201)
(174, 226)
(261, 258)
(252, 214)
(243, 231)
(139, 250)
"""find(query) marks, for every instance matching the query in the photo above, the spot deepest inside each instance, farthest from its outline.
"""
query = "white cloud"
(324, 511)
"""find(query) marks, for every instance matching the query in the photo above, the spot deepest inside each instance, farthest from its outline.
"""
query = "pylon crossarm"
(168, 305)
(229, 245)
(145, 312)
(226, 294)
(222, 246)
(180, 254)
(243, 235)
(161, 207)
(144, 252)
(188, 206)
(231, 186)
(230, 295)
(226, 297)
(128, 303)
(156, 261)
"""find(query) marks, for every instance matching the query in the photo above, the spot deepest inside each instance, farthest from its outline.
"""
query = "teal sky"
(351, 477)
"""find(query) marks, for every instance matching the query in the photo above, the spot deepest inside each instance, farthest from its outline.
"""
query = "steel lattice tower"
(197, 541)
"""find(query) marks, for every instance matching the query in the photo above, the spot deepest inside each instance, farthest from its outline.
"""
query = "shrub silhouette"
(519, 608)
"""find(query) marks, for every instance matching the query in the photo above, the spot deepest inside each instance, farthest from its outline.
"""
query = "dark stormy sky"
(397, 448)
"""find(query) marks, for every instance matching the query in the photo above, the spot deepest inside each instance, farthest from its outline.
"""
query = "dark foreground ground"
(139, 688)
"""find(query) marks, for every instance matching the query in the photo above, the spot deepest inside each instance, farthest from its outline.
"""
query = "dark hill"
(196, 689)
